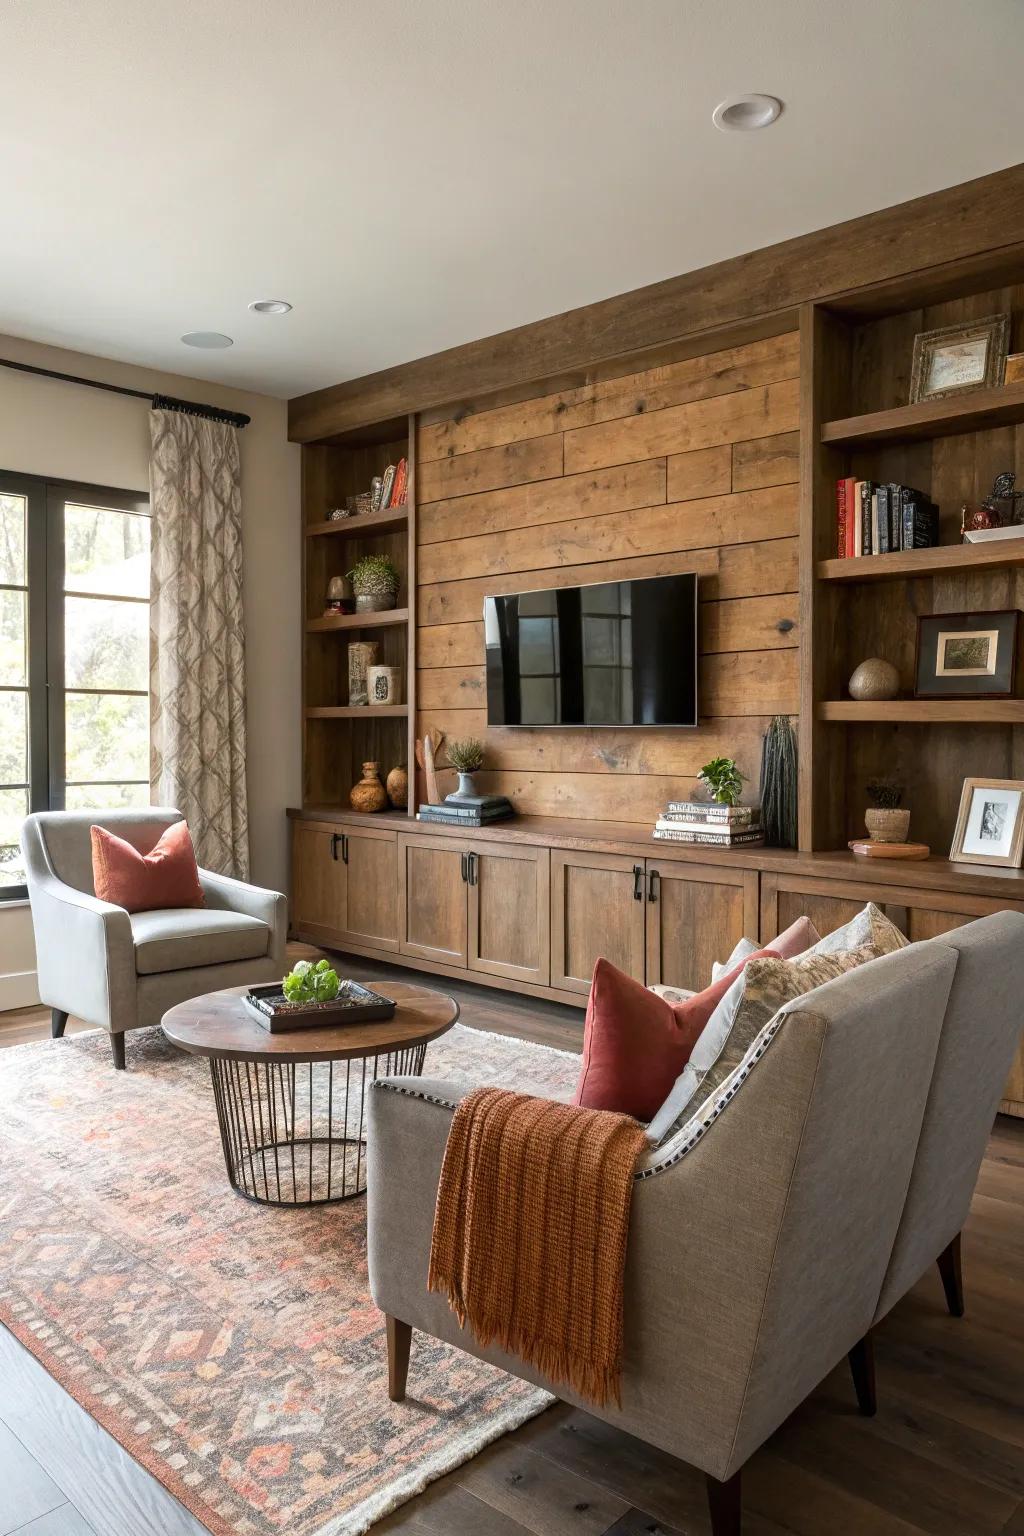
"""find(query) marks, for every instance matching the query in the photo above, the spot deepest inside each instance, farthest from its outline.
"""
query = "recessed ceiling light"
(270, 306)
(746, 112)
(208, 339)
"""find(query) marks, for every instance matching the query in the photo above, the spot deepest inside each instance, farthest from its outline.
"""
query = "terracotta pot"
(887, 826)
(398, 787)
(369, 794)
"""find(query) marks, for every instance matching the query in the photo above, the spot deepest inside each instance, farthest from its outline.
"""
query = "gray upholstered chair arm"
(269, 907)
(85, 954)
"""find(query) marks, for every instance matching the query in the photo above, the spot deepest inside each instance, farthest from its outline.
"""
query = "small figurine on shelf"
(1001, 507)
(340, 596)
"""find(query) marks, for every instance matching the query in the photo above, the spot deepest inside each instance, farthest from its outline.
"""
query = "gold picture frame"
(991, 812)
(958, 359)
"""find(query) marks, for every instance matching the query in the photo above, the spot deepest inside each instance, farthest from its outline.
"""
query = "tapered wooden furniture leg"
(952, 1277)
(117, 1047)
(399, 1340)
(57, 1022)
(862, 1367)
(724, 1504)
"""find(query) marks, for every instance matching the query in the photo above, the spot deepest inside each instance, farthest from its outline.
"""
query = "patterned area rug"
(233, 1349)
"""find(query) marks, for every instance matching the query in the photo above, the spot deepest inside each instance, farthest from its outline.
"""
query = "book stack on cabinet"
(710, 825)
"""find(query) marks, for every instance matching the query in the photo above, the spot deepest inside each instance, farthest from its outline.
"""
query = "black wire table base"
(293, 1133)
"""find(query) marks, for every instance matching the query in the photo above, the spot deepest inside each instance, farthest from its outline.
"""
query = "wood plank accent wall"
(689, 466)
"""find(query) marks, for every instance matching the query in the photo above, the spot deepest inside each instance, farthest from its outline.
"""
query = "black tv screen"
(618, 653)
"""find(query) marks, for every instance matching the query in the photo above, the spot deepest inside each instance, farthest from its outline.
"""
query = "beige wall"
(64, 430)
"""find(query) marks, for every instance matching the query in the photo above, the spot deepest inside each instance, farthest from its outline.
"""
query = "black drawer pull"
(638, 879)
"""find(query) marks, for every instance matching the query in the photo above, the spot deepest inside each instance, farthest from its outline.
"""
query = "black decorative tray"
(353, 1005)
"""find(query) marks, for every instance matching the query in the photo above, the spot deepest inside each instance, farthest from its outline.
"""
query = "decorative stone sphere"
(875, 679)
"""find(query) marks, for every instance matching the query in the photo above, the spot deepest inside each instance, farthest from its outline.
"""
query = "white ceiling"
(413, 174)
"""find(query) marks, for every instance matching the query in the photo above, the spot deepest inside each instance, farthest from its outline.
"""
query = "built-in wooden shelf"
(384, 620)
(366, 522)
(942, 560)
(929, 418)
(357, 711)
(924, 711)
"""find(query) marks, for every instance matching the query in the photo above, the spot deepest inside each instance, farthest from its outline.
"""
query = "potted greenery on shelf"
(884, 819)
(375, 583)
(466, 757)
(723, 780)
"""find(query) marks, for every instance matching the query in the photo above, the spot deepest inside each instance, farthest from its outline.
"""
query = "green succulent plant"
(884, 794)
(374, 575)
(466, 756)
(311, 982)
(723, 779)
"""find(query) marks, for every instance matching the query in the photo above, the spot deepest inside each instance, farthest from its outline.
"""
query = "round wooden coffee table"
(291, 1106)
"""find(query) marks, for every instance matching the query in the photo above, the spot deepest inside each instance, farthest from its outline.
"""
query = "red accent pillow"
(167, 876)
(635, 1044)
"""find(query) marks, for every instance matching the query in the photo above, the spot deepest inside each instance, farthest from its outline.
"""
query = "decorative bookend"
(426, 756)
(779, 783)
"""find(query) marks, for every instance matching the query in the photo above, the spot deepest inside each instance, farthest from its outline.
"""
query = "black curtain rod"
(158, 402)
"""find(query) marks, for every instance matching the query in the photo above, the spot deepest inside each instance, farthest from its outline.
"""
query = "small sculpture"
(874, 679)
(369, 794)
(1001, 506)
(397, 784)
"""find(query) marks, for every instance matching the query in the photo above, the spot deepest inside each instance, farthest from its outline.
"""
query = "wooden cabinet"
(432, 899)
(507, 887)
(597, 908)
(344, 885)
(694, 915)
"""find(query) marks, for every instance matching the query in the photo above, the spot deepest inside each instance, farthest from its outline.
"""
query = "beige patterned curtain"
(197, 666)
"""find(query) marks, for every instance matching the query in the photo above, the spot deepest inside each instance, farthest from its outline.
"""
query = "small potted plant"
(375, 583)
(723, 780)
(885, 822)
(465, 757)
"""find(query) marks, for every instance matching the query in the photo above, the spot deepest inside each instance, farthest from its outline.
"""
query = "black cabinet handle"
(638, 876)
(652, 885)
(465, 871)
(335, 840)
(344, 847)
(472, 868)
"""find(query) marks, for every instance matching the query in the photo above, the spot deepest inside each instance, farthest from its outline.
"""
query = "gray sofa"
(122, 970)
(767, 1241)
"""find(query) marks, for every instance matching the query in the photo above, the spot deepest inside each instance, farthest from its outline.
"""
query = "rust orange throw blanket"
(530, 1228)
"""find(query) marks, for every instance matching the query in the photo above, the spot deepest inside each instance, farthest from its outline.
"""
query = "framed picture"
(967, 655)
(959, 358)
(990, 825)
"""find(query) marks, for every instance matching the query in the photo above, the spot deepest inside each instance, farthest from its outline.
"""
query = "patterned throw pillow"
(869, 927)
(754, 999)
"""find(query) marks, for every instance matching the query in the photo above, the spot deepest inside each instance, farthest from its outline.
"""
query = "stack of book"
(392, 489)
(467, 811)
(713, 825)
(874, 519)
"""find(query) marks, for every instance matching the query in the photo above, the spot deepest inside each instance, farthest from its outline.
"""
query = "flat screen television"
(620, 653)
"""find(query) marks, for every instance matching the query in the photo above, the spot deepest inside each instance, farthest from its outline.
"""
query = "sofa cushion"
(635, 1042)
(179, 938)
(792, 941)
(871, 926)
(163, 876)
(762, 987)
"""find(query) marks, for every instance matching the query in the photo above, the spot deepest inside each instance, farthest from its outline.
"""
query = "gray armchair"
(764, 1234)
(122, 970)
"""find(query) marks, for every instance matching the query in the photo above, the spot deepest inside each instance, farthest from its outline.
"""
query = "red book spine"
(842, 519)
(851, 517)
(398, 489)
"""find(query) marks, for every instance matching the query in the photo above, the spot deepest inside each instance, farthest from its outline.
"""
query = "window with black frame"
(74, 654)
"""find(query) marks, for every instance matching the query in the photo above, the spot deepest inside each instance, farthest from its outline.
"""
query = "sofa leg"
(724, 1504)
(952, 1277)
(117, 1047)
(399, 1340)
(57, 1023)
(862, 1367)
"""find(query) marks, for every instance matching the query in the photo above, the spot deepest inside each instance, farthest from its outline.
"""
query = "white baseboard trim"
(18, 989)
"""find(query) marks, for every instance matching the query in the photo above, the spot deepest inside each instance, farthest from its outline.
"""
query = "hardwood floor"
(943, 1457)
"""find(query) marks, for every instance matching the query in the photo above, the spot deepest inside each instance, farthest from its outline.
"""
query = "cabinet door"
(509, 912)
(318, 881)
(597, 909)
(696, 913)
(432, 898)
(371, 907)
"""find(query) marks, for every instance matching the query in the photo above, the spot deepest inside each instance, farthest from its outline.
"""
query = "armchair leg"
(57, 1023)
(952, 1277)
(399, 1340)
(724, 1504)
(862, 1367)
(117, 1047)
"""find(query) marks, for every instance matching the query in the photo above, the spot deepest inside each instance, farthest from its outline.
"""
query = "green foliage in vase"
(374, 575)
(466, 756)
(884, 794)
(311, 982)
(723, 779)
